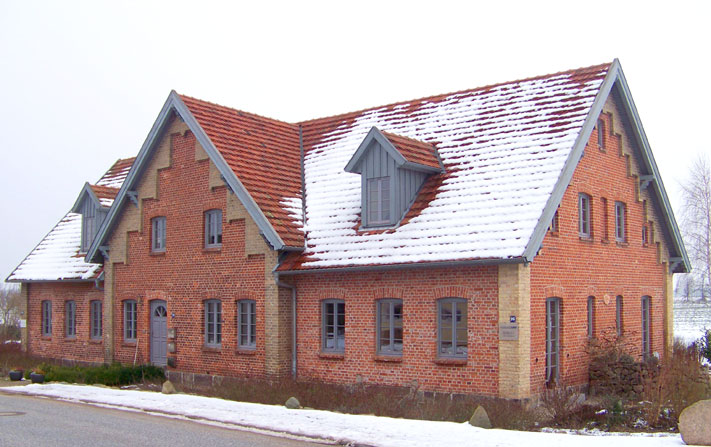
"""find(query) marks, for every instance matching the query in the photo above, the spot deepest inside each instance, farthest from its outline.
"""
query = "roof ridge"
(443, 95)
(256, 115)
(414, 140)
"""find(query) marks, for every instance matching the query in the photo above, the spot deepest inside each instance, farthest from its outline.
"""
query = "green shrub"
(111, 375)
(704, 345)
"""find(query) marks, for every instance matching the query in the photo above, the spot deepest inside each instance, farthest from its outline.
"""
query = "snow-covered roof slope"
(503, 148)
(57, 257)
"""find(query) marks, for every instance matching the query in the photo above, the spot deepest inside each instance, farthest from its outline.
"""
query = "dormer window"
(93, 207)
(379, 201)
(393, 168)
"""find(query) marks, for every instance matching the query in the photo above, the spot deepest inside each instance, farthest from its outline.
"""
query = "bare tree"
(696, 222)
(9, 311)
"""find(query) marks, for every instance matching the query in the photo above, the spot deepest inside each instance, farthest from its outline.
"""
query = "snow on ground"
(690, 318)
(336, 427)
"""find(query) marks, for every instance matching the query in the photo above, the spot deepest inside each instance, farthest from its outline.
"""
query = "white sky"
(81, 83)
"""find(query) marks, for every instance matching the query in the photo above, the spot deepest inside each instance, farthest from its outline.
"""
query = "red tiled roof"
(264, 154)
(117, 173)
(415, 151)
(104, 192)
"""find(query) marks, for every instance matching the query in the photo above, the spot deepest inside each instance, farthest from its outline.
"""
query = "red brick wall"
(81, 347)
(419, 289)
(186, 274)
(573, 269)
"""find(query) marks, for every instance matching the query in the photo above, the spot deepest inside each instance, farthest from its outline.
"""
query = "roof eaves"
(539, 232)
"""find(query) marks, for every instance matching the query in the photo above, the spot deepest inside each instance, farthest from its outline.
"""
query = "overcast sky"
(81, 83)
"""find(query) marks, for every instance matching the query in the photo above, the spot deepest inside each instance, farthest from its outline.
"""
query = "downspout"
(280, 283)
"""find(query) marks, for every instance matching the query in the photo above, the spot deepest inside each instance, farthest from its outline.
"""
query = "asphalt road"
(33, 421)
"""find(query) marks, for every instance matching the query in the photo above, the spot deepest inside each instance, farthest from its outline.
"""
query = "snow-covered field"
(690, 319)
(334, 427)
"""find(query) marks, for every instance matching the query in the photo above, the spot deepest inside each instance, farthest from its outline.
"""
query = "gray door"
(159, 333)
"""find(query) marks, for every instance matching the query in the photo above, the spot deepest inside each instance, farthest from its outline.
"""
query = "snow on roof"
(58, 256)
(503, 148)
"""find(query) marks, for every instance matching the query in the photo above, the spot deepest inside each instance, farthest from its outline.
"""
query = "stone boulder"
(168, 388)
(292, 403)
(480, 418)
(695, 423)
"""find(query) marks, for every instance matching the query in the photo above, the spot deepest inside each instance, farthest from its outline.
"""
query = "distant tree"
(9, 311)
(696, 222)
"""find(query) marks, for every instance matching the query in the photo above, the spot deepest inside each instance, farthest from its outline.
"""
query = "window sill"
(622, 243)
(46, 338)
(157, 253)
(129, 343)
(604, 241)
(388, 358)
(211, 348)
(588, 239)
(451, 362)
(332, 355)
(212, 249)
(70, 339)
(96, 341)
(245, 351)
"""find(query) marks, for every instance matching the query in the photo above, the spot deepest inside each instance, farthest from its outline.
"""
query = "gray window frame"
(455, 302)
(584, 215)
(70, 319)
(332, 332)
(591, 316)
(46, 318)
(96, 309)
(619, 309)
(247, 324)
(213, 323)
(646, 326)
(158, 234)
(553, 308)
(391, 348)
(130, 320)
(213, 228)
(377, 208)
(620, 221)
(600, 133)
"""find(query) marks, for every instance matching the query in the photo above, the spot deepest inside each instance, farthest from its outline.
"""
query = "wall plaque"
(508, 332)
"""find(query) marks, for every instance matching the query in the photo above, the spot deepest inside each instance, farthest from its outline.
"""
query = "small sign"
(23, 323)
(512, 319)
(508, 332)
(171, 332)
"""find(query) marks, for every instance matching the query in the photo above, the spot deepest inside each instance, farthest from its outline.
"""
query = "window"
(620, 211)
(591, 316)
(95, 320)
(584, 229)
(645, 235)
(379, 201)
(452, 325)
(389, 326)
(213, 323)
(47, 318)
(247, 324)
(646, 319)
(88, 224)
(553, 228)
(70, 319)
(129, 320)
(158, 234)
(333, 326)
(552, 339)
(213, 228)
(601, 134)
(618, 315)
(605, 220)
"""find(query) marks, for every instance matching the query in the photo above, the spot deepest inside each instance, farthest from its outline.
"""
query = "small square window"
(158, 227)
(213, 228)
(247, 327)
(620, 221)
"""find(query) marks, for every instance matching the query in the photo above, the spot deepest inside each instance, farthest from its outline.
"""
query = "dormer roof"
(406, 152)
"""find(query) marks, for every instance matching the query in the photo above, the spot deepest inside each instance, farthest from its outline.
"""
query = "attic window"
(601, 134)
(379, 201)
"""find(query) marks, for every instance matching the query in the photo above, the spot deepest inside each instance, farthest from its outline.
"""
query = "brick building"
(472, 242)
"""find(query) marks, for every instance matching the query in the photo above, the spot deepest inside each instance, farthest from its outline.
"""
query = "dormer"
(393, 169)
(93, 204)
